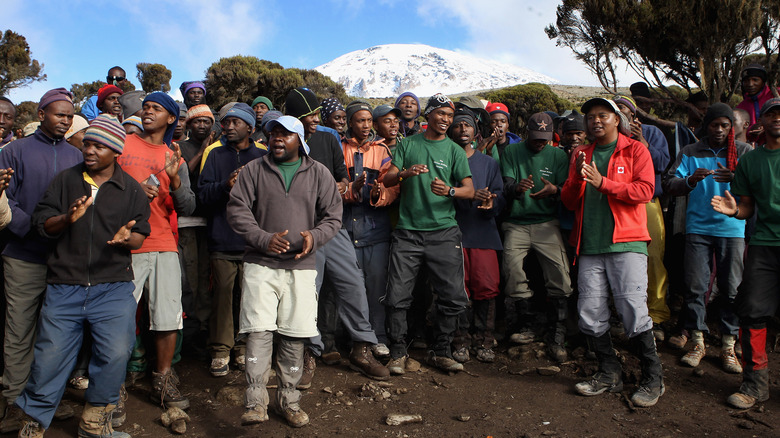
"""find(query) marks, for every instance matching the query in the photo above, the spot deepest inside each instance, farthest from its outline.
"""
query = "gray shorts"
(163, 271)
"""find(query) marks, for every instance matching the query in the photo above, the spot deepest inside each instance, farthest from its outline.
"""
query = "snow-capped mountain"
(391, 69)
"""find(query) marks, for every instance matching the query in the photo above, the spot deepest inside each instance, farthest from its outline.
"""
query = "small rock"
(412, 365)
(698, 372)
(207, 390)
(327, 390)
(464, 418)
(179, 426)
(400, 419)
(385, 394)
(513, 352)
(172, 415)
(339, 393)
(540, 354)
(760, 409)
(384, 384)
(548, 371)
(548, 433)
(744, 424)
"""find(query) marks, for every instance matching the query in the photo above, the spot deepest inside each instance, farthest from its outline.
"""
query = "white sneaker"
(219, 366)
(380, 350)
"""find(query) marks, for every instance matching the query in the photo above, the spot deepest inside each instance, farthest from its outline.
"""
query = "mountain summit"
(391, 69)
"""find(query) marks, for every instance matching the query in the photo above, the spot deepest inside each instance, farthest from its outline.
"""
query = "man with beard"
(409, 105)
(432, 170)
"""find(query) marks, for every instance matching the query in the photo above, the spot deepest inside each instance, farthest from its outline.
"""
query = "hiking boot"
(295, 416)
(524, 336)
(362, 360)
(740, 400)
(730, 362)
(645, 396)
(738, 349)
(79, 382)
(658, 332)
(119, 415)
(418, 343)
(165, 391)
(599, 383)
(444, 363)
(558, 353)
(63, 412)
(694, 356)
(13, 419)
(219, 366)
(31, 429)
(380, 350)
(240, 361)
(461, 355)
(309, 366)
(254, 415)
(485, 355)
(331, 357)
(397, 366)
(96, 423)
(678, 341)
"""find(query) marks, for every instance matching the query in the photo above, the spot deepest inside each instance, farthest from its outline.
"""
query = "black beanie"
(575, 122)
(355, 106)
(716, 110)
(301, 102)
(756, 70)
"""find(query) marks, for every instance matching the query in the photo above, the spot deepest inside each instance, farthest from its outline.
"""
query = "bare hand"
(525, 184)
(150, 190)
(5, 178)
(699, 175)
(725, 204)
(489, 142)
(636, 131)
(122, 237)
(342, 186)
(207, 141)
(591, 174)
(78, 208)
(358, 184)
(414, 171)
(548, 190)
(233, 177)
(278, 243)
(439, 188)
(485, 198)
(308, 244)
(172, 159)
(580, 163)
(376, 191)
(723, 174)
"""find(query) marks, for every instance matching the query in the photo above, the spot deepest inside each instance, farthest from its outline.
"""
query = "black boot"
(651, 387)
(560, 312)
(485, 324)
(608, 377)
(523, 334)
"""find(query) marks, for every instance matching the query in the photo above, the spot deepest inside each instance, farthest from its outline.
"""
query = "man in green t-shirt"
(757, 184)
(609, 183)
(432, 170)
(533, 172)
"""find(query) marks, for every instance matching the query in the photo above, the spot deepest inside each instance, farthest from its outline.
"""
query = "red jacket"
(629, 184)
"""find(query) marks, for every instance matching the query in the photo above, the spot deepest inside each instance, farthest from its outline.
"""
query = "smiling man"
(89, 281)
(278, 291)
(433, 171)
(39, 158)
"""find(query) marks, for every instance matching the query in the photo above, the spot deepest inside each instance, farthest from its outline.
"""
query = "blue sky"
(77, 41)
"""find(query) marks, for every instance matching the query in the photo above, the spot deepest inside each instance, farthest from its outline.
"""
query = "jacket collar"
(118, 178)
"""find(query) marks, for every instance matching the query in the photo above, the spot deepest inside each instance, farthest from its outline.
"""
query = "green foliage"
(154, 77)
(26, 112)
(242, 78)
(17, 68)
(525, 100)
(82, 91)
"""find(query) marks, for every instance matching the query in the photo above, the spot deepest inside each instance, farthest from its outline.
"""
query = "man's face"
(116, 76)
(7, 117)
(408, 107)
(462, 133)
(536, 145)
(361, 124)
(387, 126)
(718, 131)
(180, 127)
(602, 122)
(752, 85)
(771, 122)
(642, 104)
(310, 122)
(195, 96)
(626, 111)
(77, 140)
(200, 126)
(97, 157)
(337, 120)
(573, 138)
(440, 119)
(155, 117)
(284, 144)
(235, 129)
(260, 110)
(740, 124)
(56, 118)
(500, 122)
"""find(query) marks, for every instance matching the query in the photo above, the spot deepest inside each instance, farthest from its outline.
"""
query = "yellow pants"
(657, 279)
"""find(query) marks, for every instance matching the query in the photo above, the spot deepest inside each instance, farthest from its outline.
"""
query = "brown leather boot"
(361, 359)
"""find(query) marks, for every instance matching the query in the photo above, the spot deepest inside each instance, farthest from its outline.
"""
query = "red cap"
(497, 107)
(105, 90)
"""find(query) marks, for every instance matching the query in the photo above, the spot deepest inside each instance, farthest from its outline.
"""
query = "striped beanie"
(200, 111)
(135, 121)
(106, 130)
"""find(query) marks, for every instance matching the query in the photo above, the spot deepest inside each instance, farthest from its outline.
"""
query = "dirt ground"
(508, 398)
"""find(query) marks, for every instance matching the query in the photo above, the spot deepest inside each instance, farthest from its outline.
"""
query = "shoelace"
(105, 421)
(30, 429)
(169, 388)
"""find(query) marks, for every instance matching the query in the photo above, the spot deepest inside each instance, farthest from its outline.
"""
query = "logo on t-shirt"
(546, 172)
(621, 169)
(440, 164)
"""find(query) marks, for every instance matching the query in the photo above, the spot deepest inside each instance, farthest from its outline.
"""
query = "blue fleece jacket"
(36, 160)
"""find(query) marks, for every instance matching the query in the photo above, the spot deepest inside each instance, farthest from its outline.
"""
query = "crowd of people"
(142, 227)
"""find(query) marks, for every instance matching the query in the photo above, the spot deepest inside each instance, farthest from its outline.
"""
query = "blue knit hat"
(243, 112)
(171, 106)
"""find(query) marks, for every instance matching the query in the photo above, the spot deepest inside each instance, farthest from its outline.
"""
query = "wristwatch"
(451, 194)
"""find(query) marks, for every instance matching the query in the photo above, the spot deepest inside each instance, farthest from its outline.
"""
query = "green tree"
(154, 77)
(26, 112)
(525, 100)
(83, 90)
(17, 68)
(695, 44)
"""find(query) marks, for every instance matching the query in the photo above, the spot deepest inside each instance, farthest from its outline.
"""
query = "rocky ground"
(522, 394)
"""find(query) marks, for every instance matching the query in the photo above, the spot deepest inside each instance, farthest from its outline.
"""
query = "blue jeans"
(698, 264)
(109, 309)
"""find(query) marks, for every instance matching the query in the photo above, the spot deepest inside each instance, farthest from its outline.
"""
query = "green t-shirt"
(420, 209)
(288, 171)
(550, 163)
(758, 176)
(598, 224)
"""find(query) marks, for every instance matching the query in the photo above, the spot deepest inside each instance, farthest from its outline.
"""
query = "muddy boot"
(523, 334)
(461, 339)
(96, 422)
(755, 371)
(165, 390)
(651, 387)
(608, 377)
(560, 313)
(362, 360)
(485, 323)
